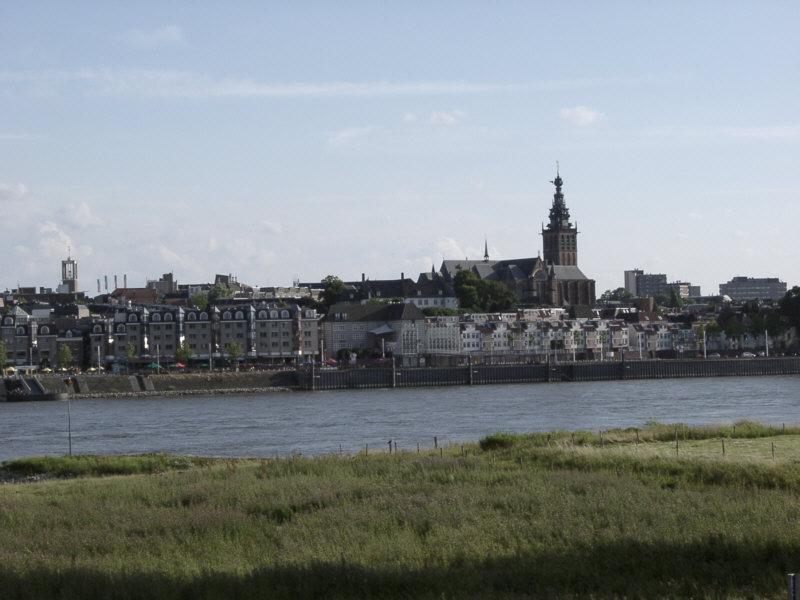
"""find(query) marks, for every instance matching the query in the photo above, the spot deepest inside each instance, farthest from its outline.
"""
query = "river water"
(319, 422)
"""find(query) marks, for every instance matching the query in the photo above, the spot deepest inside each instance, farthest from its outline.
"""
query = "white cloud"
(53, 241)
(168, 35)
(187, 84)
(347, 136)
(10, 192)
(272, 227)
(82, 215)
(581, 116)
(409, 117)
(446, 117)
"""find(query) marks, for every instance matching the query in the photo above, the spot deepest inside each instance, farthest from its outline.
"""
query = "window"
(191, 317)
(44, 330)
(156, 318)
(239, 315)
(20, 331)
(284, 314)
(168, 317)
(132, 318)
(273, 314)
(204, 316)
(120, 328)
(226, 315)
(97, 329)
(262, 314)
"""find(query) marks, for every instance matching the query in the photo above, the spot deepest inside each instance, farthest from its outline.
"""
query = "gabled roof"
(398, 311)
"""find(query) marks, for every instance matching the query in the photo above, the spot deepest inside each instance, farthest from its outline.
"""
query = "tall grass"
(512, 520)
(82, 466)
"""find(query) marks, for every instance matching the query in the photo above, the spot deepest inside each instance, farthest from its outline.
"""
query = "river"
(319, 422)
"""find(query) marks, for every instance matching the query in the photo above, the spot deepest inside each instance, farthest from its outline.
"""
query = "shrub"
(497, 441)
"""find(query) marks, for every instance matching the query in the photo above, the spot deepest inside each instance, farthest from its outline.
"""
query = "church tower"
(560, 237)
(69, 275)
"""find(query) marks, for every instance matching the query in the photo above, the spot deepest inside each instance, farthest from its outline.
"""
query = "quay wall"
(168, 384)
(543, 373)
(98, 385)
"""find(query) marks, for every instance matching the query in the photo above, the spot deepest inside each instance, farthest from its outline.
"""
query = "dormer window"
(226, 316)
(20, 331)
(273, 314)
(204, 316)
(262, 314)
(156, 318)
(284, 314)
(45, 330)
(97, 329)
(132, 318)
(168, 317)
(239, 315)
(191, 317)
(120, 328)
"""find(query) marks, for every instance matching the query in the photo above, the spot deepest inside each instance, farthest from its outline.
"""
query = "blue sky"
(284, 140)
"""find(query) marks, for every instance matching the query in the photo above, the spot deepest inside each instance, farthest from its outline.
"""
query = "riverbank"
(255, 382)
(550, 514)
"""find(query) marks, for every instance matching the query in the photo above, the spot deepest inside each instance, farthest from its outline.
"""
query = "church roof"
(568, 272)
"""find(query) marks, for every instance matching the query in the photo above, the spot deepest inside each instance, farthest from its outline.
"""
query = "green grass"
(516, 516)
(83, 466)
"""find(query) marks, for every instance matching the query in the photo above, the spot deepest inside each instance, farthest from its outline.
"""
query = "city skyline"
(287, 142)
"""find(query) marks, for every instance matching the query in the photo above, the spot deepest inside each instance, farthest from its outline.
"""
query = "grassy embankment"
(557, 514)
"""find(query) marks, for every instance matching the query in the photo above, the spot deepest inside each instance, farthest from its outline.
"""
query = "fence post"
(792, 586)
(394, 373)
(435, 442)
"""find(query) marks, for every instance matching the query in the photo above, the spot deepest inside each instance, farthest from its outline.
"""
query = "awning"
(382, 330)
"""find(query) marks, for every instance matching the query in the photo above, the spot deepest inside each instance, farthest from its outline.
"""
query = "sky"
(290, 140)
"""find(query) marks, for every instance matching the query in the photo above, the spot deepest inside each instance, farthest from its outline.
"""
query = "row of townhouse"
(572, 338)
(267, 332)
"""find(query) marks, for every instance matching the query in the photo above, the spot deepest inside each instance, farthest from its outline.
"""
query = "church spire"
(485, 250)
(559, 213)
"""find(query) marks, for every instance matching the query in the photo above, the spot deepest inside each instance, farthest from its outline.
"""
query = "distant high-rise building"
(630, 280)
(753, 288)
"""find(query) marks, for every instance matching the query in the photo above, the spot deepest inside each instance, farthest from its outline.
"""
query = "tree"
(675, 301)
(482, 295)
(332, 289)
(199, 300)
(790, 307)
(182, 353)
(64, 357)
(130, 354)
(494, 296)
(466, 288)
(615, 295)
(3, 354)
(235, 352)
(218, 292)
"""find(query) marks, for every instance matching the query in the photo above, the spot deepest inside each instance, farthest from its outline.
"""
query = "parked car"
(714, 355)
(748, 355)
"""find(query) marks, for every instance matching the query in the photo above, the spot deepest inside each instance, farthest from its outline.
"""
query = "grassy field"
(583, 515)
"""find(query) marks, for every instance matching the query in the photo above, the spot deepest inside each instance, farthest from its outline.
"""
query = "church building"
(551, 279)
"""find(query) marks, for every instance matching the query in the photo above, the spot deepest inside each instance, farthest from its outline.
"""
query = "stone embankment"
(169, 384)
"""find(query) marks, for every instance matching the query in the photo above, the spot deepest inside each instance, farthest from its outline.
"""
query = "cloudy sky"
(291, 140)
